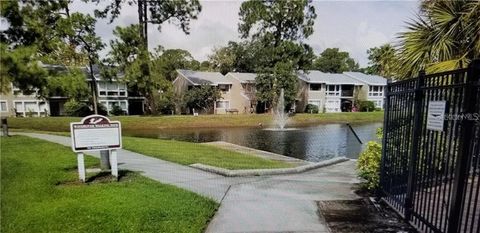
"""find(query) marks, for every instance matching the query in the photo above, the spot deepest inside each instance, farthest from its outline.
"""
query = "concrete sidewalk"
(283, 203)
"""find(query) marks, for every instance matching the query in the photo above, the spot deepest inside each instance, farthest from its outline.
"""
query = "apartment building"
(188, 79)
(330, 92)
(20, 104)
(109, 93)
(16, 103)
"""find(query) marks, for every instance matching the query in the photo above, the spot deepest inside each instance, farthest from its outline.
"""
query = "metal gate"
(430, 163)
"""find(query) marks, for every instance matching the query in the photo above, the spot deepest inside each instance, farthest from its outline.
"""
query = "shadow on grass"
(99, 178)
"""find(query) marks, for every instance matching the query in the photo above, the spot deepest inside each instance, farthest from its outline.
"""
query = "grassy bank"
(187, 153)
(133, 123)
(39, 194)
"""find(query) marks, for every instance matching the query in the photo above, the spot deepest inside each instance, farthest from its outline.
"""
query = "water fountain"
(280, 117)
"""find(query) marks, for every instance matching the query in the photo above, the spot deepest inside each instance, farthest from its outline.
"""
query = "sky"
(352, 26)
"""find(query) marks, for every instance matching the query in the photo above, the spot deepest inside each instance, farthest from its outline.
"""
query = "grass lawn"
(33, 201)
(133, 123)
(187, 153)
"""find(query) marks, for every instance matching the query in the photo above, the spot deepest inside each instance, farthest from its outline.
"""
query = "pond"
(313, 143)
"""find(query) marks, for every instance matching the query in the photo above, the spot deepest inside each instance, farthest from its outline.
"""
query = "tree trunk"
(94, 89)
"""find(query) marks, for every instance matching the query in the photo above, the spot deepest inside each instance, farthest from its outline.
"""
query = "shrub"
(366, 106)
(368, 165)
(75, 108)
(117, 111)
(311, 108)
(81, 109)
(102, 110)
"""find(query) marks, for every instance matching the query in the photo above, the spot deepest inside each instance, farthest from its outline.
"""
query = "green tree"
(235, 57)
(143, 72)
(147, 80)
(179, 12)
(80, 30)
(278, 27)
(19, 66)
(172, 59)
(382, 61)
(68, 83)
(332, 60)
(276, 78)
(443, 37)
(202, 98)
(45, 31)
(284, 20)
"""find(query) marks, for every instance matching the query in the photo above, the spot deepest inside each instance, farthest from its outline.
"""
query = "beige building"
(188, 79)
(243, 92)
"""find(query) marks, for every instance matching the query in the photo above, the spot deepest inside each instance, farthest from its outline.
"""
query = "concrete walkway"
(284, 203)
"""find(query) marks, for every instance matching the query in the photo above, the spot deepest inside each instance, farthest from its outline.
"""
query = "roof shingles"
(204, 78)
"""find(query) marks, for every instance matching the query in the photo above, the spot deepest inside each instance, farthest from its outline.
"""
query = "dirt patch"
(361, 216)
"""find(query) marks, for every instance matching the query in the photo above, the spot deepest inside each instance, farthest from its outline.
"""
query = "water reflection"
(315, 143)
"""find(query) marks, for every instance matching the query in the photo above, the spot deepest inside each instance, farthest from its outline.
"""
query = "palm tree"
(382, 61)
(445, 36)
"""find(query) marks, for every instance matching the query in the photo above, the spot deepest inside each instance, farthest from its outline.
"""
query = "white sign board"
(95, 132)
(436, 115)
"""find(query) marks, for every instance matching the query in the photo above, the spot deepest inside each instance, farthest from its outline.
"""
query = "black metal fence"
(430, 163)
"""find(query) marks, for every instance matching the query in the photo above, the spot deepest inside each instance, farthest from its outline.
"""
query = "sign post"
(95, 133)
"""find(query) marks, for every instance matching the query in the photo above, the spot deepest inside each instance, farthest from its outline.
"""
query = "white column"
(24, 109)
(81, 166)
(113, 162)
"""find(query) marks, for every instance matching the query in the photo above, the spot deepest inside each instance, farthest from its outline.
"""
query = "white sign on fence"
(436, 115)
(94, 133)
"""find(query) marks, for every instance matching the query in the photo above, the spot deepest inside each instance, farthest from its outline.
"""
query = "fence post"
(386, 116)
(465, 143)
(417, 131)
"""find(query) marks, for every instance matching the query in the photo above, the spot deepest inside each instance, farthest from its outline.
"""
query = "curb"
(264, 172)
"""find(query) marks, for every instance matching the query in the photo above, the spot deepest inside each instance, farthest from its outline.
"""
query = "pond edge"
(265, 172)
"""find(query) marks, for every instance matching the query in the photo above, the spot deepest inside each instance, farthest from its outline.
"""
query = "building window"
(224, 88)
(315, 87)
(103, 93)
(123, 105)
(31, 106)
(333, 90)
(18, 106)
(375, 91)
(3, 106)
(222, 104)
